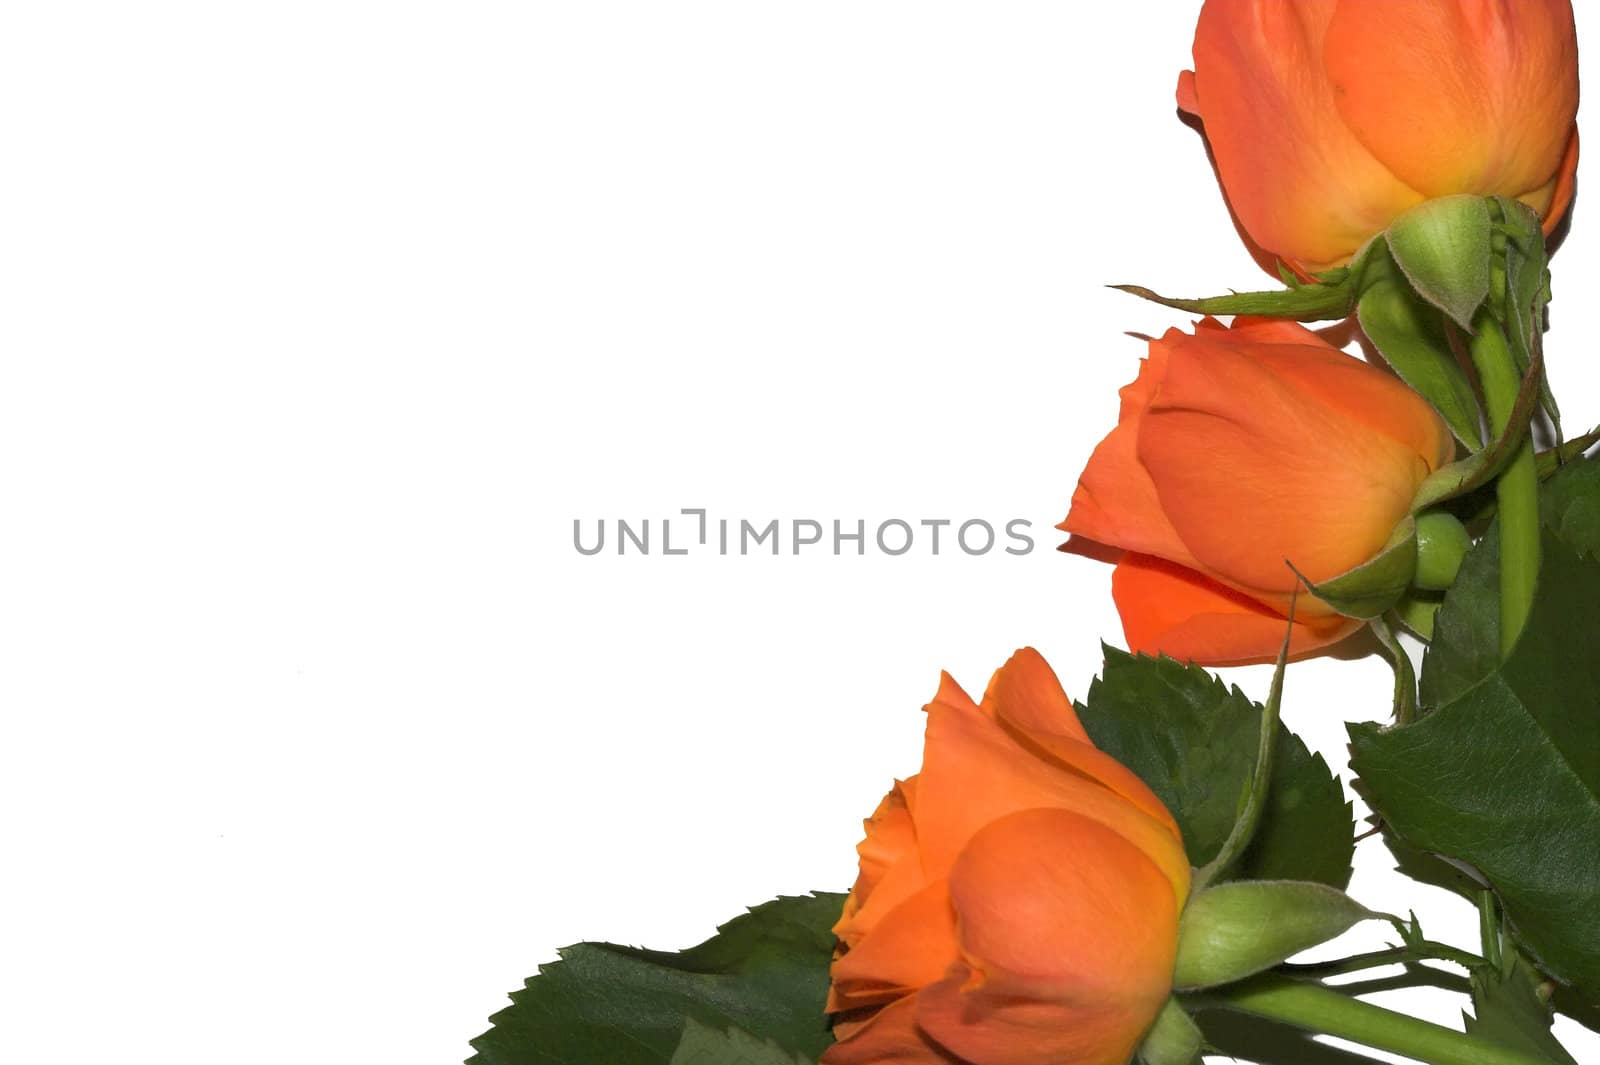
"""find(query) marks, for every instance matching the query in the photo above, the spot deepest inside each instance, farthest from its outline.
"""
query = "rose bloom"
(1240, 451)
(1328, 119)
(1018, 899)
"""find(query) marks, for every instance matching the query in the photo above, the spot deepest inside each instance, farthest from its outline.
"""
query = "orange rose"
(1240, 451)
(1018, 900)
(1328, 119)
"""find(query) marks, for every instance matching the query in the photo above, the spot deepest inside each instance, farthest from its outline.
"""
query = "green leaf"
(1509, 1012)
(1570, 505)
(702, 1045)
(1505, 777)
(1444, 247)
(765, 971)
(1466, 641)
(1466, 631)
(1408, 334)
(1193, 740)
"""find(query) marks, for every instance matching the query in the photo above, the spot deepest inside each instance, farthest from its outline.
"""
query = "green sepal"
(1333, 296)
(1406, 331)
(1476, 470)
(1523, 289)
(1405, 675)
(1376, 586)
(1236, 930)
(1173, 1040)
(1445, 247)
(1418, 612)
(1552, 460)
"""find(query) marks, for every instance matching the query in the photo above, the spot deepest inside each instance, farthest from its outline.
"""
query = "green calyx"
(1235, 930)
(1372, 588)
(1445, 248)
(1421, 291)
(1173, 1040)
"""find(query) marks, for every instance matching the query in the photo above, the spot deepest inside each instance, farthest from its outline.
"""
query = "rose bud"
(1328, 119)
(1018, 900)
(1244, 460)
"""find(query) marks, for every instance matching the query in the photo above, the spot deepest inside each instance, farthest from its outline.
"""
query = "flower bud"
(1018, 898)
(1442, 544)
(1238, 929)
(1238, 450)
(1311, 112)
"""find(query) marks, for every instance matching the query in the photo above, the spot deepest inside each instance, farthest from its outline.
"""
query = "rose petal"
(1170, 610)
(974, 772)
(888, 860)
(1115, 502)
(909, 948)
(1256, 469)
(1490, 89)
(1068, 934)
(1297, 178)
(1026, 697)
(888, 1037)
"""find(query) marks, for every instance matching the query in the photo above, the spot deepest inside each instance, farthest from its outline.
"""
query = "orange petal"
(1115, 502)
(974, 772)
(888, 1037)
(1490, 89)
(1095, 764)
(1026, 692)
(1360, 391)
(1026, 698)
(1296, 177)
(1068, 934)
(1257, 470)
(1169, 610)
(1564, 189)
(910, 948)
(888, 859)
(952, 694)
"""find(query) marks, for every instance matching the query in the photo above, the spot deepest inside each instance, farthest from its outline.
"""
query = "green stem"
(1319, 1009)
(1489, 928)
(1517, 490)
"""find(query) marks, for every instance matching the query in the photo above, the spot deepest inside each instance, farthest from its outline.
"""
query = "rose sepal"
(1174, 1039)
(1375, 586)
(1235, 930)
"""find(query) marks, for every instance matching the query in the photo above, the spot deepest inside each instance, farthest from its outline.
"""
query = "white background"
(324, 321)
